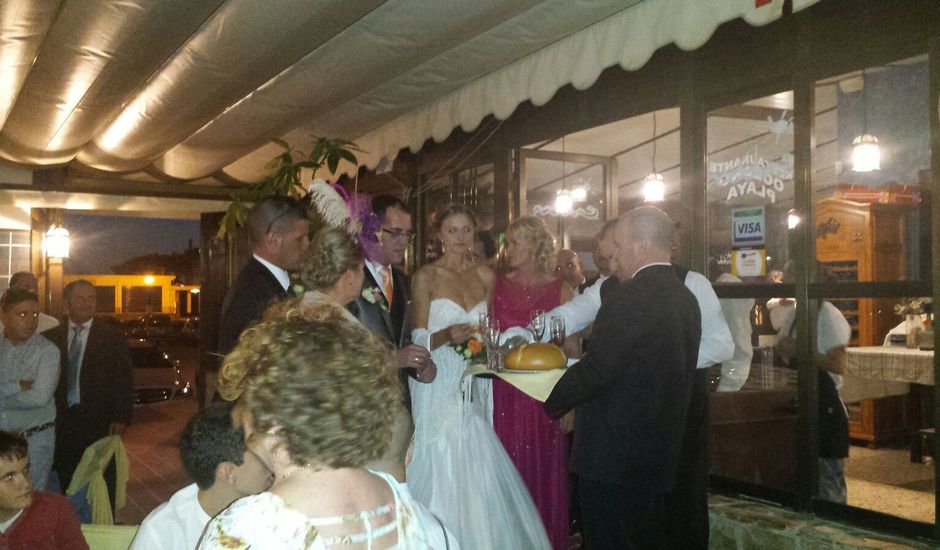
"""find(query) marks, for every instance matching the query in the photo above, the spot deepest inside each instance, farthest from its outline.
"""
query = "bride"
(459, 469)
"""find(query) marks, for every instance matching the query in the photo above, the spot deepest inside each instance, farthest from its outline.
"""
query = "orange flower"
(475, 346)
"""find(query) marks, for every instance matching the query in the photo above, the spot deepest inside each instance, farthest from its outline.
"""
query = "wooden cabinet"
(865, 242)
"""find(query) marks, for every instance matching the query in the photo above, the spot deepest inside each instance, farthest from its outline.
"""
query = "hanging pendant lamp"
(866, 154)
(654, 186)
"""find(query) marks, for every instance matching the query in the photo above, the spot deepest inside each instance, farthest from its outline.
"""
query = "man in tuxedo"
(382, 306)
(633, 391)
(94, 397)
(280, 234)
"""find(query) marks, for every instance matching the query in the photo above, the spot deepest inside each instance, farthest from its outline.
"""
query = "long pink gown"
(535, 442)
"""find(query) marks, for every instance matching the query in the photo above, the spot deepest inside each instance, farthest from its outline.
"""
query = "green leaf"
(347, 154)
(282, 143)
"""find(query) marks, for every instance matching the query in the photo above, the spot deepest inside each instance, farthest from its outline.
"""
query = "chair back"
(109, 537)
(90, 473)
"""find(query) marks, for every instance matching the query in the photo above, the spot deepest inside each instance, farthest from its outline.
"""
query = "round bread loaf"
(536, 357)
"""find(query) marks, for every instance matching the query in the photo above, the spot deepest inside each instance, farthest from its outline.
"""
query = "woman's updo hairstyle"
(453, 210)
(332, 253)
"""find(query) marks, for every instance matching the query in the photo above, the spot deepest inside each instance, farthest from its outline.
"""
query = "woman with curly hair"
(459, 469)
(536, 443)
(319, 399)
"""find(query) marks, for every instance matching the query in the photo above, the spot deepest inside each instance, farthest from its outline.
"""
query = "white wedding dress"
(459, 469)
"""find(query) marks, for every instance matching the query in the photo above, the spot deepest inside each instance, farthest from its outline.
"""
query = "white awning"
(185, 91)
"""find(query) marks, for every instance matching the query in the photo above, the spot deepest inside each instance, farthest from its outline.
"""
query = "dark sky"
(99, 242)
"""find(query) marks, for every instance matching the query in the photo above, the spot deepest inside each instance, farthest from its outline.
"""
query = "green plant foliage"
(285, 176)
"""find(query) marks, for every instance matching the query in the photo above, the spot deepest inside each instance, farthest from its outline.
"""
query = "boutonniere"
(298, 289)
(374, 295)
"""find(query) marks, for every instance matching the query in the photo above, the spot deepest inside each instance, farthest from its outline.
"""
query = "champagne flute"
(557, 331)
(491, 341)
(537, 326)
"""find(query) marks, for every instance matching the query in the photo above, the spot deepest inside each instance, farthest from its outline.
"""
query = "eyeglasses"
(399, 235)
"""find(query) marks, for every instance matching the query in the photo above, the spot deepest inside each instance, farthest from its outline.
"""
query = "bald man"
(633, 391)
(568, 268)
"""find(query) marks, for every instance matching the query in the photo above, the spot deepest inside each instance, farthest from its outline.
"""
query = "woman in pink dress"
(536, 443)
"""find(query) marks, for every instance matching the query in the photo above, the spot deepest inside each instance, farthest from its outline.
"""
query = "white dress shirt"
(281, 274)
(716, 345)
(737, 312)
(177, 523)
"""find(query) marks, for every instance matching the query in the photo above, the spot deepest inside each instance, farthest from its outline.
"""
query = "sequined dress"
(535, 442)
(458, 468)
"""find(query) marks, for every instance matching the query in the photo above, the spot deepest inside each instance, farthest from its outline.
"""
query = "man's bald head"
(643, 236)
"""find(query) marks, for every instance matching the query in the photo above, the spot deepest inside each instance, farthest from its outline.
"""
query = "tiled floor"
(155, 469)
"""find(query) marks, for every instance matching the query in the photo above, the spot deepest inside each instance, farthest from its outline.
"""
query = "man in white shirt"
(29, 374)
(28, 281)
(215, 456)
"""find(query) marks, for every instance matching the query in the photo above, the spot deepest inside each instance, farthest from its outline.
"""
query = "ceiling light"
(579, 194)
(654, 188)
(793, 219)
(563, 202)
(866, 155)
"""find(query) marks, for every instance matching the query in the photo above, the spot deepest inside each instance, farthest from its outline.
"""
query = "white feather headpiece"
(330, 204)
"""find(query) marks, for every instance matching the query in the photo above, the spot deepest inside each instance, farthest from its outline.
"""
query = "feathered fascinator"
(334, 207)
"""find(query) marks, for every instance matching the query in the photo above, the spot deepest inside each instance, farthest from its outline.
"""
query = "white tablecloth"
(882, 371)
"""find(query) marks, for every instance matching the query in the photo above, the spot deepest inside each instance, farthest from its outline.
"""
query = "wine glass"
(537, 326)
(491, 341)
(484, 321)
(557, 331)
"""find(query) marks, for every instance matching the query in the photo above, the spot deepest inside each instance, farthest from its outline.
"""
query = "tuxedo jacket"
(389, 323)
(254, 290)
(633, 388)
(106, 382)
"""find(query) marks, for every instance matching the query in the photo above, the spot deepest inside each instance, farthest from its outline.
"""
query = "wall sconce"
(56, 243)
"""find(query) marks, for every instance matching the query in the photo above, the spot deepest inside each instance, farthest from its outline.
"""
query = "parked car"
(153, 326)
(157, 376)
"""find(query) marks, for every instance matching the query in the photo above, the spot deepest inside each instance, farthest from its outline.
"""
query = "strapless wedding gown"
(459, 469)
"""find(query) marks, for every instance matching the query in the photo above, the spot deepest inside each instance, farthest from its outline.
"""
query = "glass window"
(749, 195)
(14, 254)
(582, 179)
(871, 161)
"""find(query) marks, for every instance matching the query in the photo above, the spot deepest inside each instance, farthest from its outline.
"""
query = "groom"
(382, 305)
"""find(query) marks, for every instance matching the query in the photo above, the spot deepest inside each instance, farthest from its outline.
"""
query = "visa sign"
(748, 226)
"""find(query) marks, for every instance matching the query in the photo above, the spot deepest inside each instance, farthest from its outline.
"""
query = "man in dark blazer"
(280, 233)
(94, 397)
(382, 305)
(633, 390)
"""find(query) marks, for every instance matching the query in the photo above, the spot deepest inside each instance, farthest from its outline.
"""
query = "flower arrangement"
(913, 306)
(473, 349)
(374, 295)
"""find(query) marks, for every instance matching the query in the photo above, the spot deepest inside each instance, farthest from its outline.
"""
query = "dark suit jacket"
(254, 290)
(105, 380)
(391, 324)
(634, 386)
